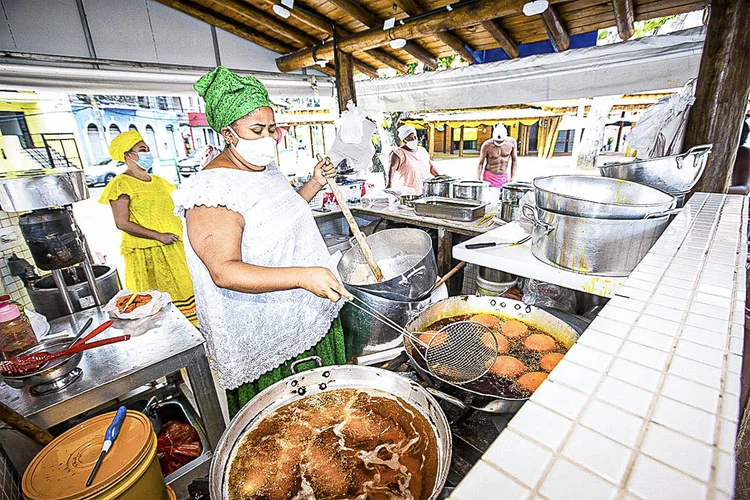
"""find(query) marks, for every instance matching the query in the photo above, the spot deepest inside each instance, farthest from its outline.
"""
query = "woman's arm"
(215, 235)
(121, 212)
(395, 161)
(323, 170)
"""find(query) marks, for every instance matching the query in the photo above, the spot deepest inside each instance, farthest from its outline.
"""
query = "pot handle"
(696, 151)
(446, 398)
(405, 278)
(530, 214)
(293, 366)
(656, 215)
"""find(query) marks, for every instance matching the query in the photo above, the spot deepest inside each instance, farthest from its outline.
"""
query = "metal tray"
(449, 208)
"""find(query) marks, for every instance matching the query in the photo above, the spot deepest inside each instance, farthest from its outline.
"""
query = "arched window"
(151, 140)
(114, 130)
(132, 127)
(97, 152)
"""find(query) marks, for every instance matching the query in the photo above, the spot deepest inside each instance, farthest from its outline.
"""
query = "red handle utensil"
(96, 331)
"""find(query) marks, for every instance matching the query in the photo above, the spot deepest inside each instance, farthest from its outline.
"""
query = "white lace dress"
(250, 334)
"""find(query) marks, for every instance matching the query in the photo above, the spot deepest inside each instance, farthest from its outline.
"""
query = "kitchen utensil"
(406, 200)
(109, 437)
(474, 394)
(486, 218)
(52, 376)
(599, 197)
(407, 252)
(438, 186)
(329, 378)
(448, 275)
(354, 227)
(672, 174)
(603, 247)
(96, 331)
(83, 329)
(470, 190)
(450, 208)
(489, 244)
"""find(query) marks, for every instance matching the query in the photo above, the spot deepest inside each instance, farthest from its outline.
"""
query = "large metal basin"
(31, 190)
(405, 253)
(599, 197)
(322, 379)
(675, 174)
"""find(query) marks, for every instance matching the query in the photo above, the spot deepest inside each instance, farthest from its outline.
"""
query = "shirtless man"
(497, 159)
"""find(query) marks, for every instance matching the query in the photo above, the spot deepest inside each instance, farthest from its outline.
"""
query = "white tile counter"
(646, 404)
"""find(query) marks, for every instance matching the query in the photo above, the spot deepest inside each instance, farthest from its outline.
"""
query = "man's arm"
(482, 157)
(514, 160)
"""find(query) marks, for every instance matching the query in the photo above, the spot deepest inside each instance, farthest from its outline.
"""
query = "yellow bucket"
(130, 470)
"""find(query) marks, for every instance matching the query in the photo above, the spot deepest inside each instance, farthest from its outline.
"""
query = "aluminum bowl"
(672, 174)
(52, 371)
(599, 197)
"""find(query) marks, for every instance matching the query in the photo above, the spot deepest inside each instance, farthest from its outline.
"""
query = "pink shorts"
(495, 180)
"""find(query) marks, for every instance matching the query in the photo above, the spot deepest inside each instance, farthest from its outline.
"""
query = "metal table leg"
(204, 391)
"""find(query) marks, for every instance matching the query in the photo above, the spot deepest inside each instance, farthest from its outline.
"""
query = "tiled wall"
(10, 482)
(10, 284)
(646, 404)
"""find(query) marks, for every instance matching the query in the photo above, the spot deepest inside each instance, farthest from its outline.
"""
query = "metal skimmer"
(458, 353)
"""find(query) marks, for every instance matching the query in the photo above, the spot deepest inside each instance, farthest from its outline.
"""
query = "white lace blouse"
(250, 334)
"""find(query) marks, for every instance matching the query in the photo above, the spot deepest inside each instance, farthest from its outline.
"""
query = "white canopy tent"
(642, 65)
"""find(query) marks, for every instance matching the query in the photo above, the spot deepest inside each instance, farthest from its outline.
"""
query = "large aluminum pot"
(604, 247)
(512, 192)
(470, 190)
(404, 253)
(599, 197)
(463, 394)
(439, 185)
(31, 190)
(327, 378)
(365, 335)
(672, 174)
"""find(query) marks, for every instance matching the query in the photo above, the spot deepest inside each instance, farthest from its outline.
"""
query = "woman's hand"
(323, 283)
(324, 170)
(168, 238)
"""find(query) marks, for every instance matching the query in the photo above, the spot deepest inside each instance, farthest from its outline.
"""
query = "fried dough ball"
(515, 329)
(507, 366)
(530, 381)
(539, 342)
(426, 337)
(488, 320)
(502, 342)
(326, 473)
(549, 361)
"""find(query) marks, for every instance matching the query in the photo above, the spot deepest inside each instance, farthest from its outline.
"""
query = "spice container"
(16, 334)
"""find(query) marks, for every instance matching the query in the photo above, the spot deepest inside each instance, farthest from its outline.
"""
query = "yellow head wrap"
(123, 143)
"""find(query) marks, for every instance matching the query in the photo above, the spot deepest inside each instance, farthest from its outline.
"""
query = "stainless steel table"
(160, 346)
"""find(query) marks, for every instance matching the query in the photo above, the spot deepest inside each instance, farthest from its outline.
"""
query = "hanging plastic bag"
(661, 129)
(350, 124)
(539, 293)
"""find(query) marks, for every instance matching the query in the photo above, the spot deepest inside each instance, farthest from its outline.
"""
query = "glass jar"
(16, 334)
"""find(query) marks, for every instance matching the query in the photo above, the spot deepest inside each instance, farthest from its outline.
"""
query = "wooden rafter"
(442, 20)
(502, 37)
(624, 17)
(412, 8)
(558, 35)
(370, 20)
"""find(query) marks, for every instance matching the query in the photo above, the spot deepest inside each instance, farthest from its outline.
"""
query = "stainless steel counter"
(159, 346)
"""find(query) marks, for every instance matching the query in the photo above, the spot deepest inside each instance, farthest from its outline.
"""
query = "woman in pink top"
(410, 164)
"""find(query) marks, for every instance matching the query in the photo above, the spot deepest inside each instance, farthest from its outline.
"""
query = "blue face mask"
(145, 160)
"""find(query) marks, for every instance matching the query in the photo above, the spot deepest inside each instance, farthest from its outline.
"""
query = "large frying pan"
(469, 304)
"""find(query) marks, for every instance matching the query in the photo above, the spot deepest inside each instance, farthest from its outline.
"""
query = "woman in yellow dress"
(151, 234)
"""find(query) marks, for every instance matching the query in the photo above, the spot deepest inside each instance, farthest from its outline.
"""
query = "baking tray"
(449, 208)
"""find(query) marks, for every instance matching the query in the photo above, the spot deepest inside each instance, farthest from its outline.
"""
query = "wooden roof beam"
(412, 8)
(372, 21)
(558, 35)
(433, 22)
(624, 17)
(502, 38)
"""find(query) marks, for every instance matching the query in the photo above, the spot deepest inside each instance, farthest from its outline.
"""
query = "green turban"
(229, 96)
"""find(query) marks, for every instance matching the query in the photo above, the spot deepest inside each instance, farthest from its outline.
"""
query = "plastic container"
(487, 288)
(130, 470)
(16, 333)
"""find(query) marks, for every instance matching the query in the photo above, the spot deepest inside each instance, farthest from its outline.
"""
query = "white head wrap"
(405, 130)
(500, 133)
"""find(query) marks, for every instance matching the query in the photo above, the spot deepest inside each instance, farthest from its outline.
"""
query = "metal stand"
(60, 283)
(86, 264)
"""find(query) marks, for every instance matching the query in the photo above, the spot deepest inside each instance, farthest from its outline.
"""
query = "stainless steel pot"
(672, 174)
(59, 372)
(328, 378)
(31, 190)
(407, 253)
(439, 185)
(470, 190)
(604, 247)
(599, 197)
(463, 395)
(510, 197)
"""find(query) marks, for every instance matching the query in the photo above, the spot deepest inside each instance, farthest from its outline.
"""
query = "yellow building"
(37, 130)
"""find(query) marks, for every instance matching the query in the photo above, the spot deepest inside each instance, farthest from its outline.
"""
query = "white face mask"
(411, 145)
(258, 152)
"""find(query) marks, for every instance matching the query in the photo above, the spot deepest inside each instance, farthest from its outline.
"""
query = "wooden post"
(446, 128)
(312, 141)
(619, 138)
(722, 92)
(461, 143)
(323, 135)
(431, 140)
(345, 79)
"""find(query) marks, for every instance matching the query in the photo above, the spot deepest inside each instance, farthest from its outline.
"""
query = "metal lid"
(61, 469)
